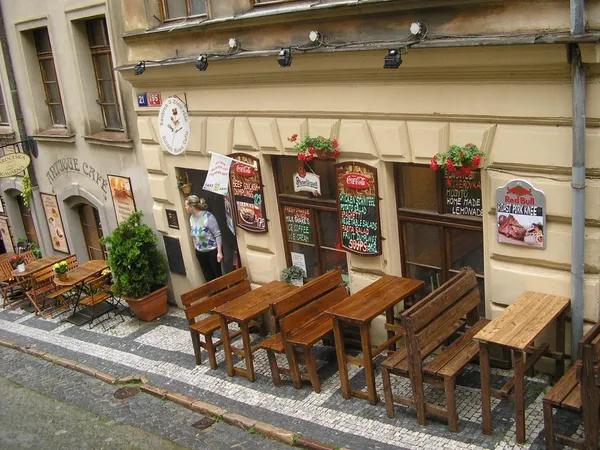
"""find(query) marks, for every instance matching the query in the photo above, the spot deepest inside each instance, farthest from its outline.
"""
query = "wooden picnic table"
(78, 277)
(36, 265)
(359, 310)
(516, 329)
(243, 310)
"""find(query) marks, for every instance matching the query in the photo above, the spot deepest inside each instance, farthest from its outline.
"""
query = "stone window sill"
(110, 139)
(55, 135)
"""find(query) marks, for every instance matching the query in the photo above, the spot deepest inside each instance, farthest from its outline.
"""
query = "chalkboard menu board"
(299, 225)
(463, 195)
(247, 190)
(358, 208)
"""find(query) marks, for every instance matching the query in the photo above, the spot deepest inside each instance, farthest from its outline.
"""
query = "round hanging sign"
(13, 164)
(174, 125)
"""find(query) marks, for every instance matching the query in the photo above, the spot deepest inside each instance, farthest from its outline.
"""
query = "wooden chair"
(42, 285)
(13, 291)
(300, 317)
(99, 292)
(427, 325)
(62, 296)
(579, 391)
(28, 256)
(203, 300)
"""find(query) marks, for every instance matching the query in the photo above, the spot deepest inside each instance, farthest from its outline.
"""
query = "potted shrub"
(310, 147)
(139, 269)
(293, 275)
(60, 269)
(17, 262)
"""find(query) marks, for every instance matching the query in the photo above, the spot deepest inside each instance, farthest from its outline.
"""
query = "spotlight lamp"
(315, 37)
(418, 29)
(285, 57)
(140, 68)
(392, 60)
(202, 63)
(234, 44)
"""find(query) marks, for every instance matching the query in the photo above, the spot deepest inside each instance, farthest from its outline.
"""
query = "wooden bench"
(203, 300)
(578, 390)
(427, 325)
(302, 322)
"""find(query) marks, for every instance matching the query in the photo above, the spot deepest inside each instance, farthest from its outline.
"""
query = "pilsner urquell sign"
(521, 215)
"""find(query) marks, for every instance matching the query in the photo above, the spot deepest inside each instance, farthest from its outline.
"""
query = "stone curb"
(234, 419)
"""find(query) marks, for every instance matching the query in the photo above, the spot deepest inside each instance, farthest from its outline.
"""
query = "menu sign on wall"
(122, 195)
(521, 215)
(55, 225)
(247, 190)
(358, 208)
(463, 195)
(298, 224)
(6, 237)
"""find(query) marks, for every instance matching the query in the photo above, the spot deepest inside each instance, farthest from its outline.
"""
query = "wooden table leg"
(226, 345)
(486, 388)
(341, 358)
(389, 318)
(248, 351)
(365, 339)
(560, 345)
(519, 395)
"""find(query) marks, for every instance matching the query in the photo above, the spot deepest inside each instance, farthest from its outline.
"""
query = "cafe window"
(92, 231)
(177, 9)
(310, 221)
(3, 113)
(441, 227)
(27, 220)
(103, 69)
(49, 78)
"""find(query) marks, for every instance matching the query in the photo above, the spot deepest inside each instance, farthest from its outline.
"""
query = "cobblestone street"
(162, 350)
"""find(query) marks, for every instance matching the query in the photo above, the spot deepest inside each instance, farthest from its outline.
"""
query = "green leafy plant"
(308, 147)
(26, 194)
(138, 267)
(458, 160)
(181, 181)
(60, 267)
(292, 273)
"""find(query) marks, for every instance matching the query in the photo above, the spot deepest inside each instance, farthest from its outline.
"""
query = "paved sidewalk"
(162, 350)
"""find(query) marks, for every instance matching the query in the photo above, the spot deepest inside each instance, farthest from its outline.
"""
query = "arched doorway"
(27, 217)
(91, 226)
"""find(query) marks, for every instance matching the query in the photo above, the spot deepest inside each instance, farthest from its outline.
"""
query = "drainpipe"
(14, 93)
(578, 177)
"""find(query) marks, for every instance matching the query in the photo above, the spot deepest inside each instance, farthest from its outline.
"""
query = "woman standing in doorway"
(207, 237)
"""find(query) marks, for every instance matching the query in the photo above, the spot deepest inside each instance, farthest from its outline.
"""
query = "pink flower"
(450, 166)
(434, 165)
(311, 150)
(293, 138)
(309, 157)
(476, 161)
(334, 143)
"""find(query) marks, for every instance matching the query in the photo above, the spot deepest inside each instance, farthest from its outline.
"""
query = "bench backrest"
(306, 294)
(6, 269)
(71, 261)
(313, 309)
(215, 293)
(28, 256)
(42, 279)
(435, 318)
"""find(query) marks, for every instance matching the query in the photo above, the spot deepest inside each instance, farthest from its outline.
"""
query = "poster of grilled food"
(122, 195)
(55, 224)
(521, 215)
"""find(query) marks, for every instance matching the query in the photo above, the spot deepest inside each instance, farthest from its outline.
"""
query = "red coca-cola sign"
(356, 181)
(243, 170)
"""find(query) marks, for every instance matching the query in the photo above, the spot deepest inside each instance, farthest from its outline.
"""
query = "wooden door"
(27, 221)
(92, 231)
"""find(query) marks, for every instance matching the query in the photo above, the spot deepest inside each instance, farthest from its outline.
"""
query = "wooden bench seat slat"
(207, 305)
(274, 343)
(313, 331)
(216, 285)
(207, 325)
(299, 318)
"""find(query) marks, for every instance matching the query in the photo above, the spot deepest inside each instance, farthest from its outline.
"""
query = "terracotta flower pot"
(151, 306)
(186, 188)
(62, 277)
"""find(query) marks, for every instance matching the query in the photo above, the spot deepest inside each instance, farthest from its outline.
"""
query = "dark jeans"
(210, 267)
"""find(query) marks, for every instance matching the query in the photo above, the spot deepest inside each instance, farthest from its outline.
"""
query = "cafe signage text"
(65, 165)
(13, 164)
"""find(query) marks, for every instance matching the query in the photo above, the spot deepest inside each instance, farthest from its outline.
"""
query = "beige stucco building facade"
(513, 100)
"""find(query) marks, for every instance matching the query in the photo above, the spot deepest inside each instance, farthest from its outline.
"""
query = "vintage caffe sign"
(358, 207)
(65, 165)
(13, 164)
(174, 125)
(521, 215)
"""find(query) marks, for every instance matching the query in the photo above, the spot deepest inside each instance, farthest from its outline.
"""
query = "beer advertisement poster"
(358, 208)
(521, 215)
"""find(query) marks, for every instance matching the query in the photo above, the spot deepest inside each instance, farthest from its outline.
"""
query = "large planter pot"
(151, 306)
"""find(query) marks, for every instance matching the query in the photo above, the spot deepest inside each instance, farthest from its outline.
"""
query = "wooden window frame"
(30, 233)
(312, 203)
(49, 56)
(3, 110)
(446, 222)
(99, 51)
(188, 9)
(98, 225)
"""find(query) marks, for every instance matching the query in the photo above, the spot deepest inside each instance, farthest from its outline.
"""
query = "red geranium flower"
(434, 165)
(334, 143)
(476, 161)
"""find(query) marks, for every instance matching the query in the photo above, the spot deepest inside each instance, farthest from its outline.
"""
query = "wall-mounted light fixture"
(140, 68)
(315, 37)
(418, 29)
(202, 63)
(392, 60)
(285, 57)
(234, 45)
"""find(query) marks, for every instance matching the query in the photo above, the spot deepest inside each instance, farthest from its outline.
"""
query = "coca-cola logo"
(356, 181)
(243, 170)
